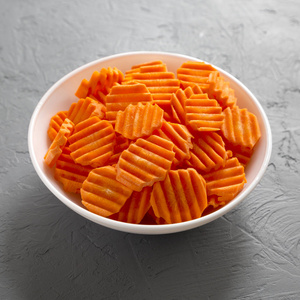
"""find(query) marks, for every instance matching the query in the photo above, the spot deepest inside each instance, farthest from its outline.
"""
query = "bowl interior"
(59, 98)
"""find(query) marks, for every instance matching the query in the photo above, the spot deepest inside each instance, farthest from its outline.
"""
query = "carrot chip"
(121, 96)
(220, 90)
(208, 152)
(70, 174)
(84, 109)
(193, 72)
(145, 162)
(99, 84)
(102, 194)
(92, 142)
(203, 114)
(160, 83)
(180, 197)
(139, 120)
(240, 128)
(55, 123)
(225, 183)
(59, 143)
(181, 138)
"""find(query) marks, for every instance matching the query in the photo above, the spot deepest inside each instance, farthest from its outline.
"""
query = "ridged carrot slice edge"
(59, 143)
(180, 197)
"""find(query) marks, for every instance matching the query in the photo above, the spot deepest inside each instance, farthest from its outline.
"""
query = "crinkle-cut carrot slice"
(177, 104)
(161, 90)
(195, 72)
(145, 162)
(102, 194)
(197, 66)
(99, 82)
(203, 114)
(120, 145)
(181, 138)
(208, 152)
(220, 90)
(135, 208)
(84, 109)
(153, 67)
(226, 182)
(240, 128)
(178, 100)
(70, 174)
(92, 142)
(139, 120)
(108, 78)
(121, 96)
(148, 63)
(55, 123)
(160, 83)
(59, 142)
(180, 197)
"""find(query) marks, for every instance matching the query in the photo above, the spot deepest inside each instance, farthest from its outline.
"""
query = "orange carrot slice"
(155, 66)
(180, 197)
(203, 114)
(84, 109)
(70, 174)
(139, 120)
(108, 78)
(177, 105)
(220, 90)
(145, 162)
(55, 123)
(226, 182)
(59, 142)
(181, 138)
(192, 72)
(86, 85)
(121, 96)
(148, 63)
(92, 142)
(102, 194)
(178, 102)
(208, 152)
(240, 128)
(160, 83)
(100, 82)
(135, 208)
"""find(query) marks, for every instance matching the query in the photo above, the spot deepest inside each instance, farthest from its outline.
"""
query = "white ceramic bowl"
(61, 95)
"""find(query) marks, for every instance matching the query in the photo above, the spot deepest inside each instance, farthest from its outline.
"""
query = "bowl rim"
(145, 228)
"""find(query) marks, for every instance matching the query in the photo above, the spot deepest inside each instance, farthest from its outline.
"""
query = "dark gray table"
(49, 252)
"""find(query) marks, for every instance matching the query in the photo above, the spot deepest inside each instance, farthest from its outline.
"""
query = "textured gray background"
(49, 252)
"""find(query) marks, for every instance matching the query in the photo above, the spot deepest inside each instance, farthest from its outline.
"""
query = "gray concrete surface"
(49, 252)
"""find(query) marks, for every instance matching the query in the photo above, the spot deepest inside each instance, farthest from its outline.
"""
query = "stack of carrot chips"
(153, 147)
